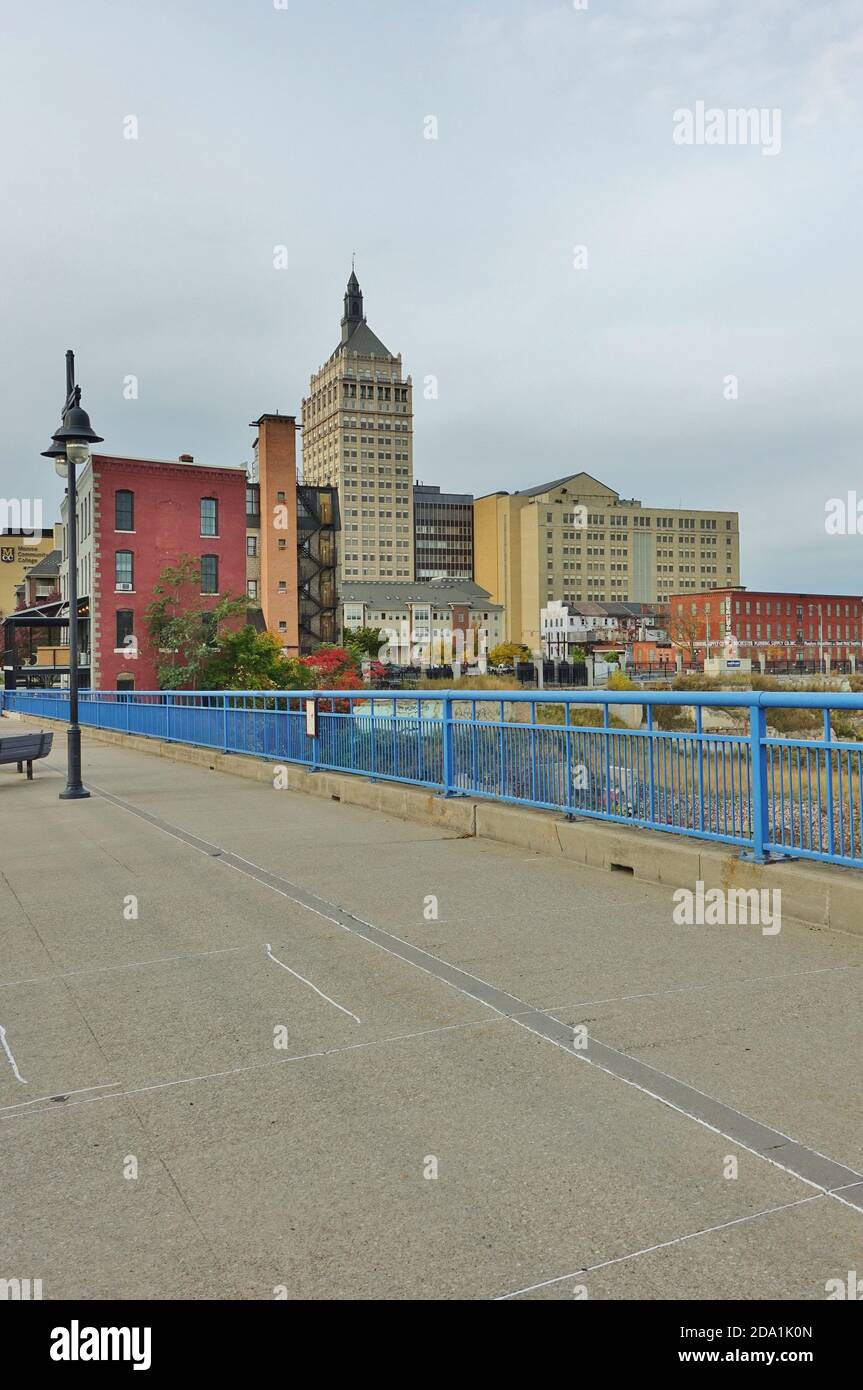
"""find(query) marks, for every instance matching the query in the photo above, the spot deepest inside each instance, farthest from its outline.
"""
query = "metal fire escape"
(317, 559)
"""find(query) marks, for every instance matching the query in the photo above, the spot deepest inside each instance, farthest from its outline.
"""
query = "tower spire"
(353, 315)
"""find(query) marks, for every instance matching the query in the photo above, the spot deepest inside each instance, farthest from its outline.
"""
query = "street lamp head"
(56, 451)
(71, 442)
(76, 428)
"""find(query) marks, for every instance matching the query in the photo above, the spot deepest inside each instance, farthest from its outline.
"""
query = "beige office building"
(358, 437)
(577, 541)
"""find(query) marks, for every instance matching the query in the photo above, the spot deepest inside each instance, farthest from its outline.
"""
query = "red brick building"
(781, 627)
(135, 517)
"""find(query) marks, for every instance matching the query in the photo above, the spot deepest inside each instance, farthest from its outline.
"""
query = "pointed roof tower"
(353, 315)
(356, 334)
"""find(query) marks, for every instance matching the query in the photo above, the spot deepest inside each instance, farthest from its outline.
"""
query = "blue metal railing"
(746, 786)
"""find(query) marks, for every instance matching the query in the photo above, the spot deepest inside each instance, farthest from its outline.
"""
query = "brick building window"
(124, 570)
(125, 620)
(209, 574)
(124, 510)
(209, 516)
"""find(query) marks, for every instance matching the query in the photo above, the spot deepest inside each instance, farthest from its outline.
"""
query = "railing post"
(699, 753)
(828, 787)
(606, 725)
(758, 796)
(651, 781)
(316, 741)
(225, 721)
(448, 786)
(567, 706)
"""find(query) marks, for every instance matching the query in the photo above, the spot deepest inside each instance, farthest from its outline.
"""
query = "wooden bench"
(25, 748)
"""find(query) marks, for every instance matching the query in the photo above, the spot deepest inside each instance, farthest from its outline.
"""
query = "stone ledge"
(821, 895)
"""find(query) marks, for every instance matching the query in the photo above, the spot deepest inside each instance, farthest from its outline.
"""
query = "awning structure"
(35, 648)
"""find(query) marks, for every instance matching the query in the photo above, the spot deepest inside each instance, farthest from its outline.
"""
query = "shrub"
(508, 653)
(618, 681)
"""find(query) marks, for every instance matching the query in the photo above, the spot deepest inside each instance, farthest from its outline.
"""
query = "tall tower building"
(358, 437)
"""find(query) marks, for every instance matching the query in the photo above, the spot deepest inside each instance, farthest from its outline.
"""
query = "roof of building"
(614, 610)
(398, 593)
(364, 342)
(432, 494)
(182, 462)
(356, 335)
(542, 488)
(48, 567)
(559, 482)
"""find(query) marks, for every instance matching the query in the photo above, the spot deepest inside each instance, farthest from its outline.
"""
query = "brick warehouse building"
(135, 517)
(780, 627)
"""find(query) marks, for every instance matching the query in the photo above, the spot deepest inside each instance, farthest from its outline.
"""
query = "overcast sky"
(305, 127)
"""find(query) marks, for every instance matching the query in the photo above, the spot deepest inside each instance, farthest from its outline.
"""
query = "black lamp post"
(70, 447)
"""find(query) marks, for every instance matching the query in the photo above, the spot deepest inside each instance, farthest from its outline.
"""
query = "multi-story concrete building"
(358, 437)
(135, 518)
(443, 533)
(780, 627)
(576, 540)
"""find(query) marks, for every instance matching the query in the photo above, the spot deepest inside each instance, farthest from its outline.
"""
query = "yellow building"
(19, 550)
(358, 437)
(576, 540)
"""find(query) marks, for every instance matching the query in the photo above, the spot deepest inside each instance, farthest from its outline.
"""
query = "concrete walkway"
(242, 1028)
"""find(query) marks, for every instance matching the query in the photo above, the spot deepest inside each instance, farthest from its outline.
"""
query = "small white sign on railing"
(312, 718)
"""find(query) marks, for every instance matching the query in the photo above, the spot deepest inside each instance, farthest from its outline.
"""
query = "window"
(209, 516)
(124, 510)
(252, 588)
(209, 631)
(124, 572)
(209, 574)
(125, 682)
(125, 620)
(251, 545)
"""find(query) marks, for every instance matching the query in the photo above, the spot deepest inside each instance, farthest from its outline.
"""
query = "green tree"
(250, 660)
(364, 641)
(183, 631)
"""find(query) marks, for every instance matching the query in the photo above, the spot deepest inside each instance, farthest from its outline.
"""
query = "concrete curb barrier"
(820, 895)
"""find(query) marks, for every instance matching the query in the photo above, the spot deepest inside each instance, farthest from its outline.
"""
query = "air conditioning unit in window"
(123, 588)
